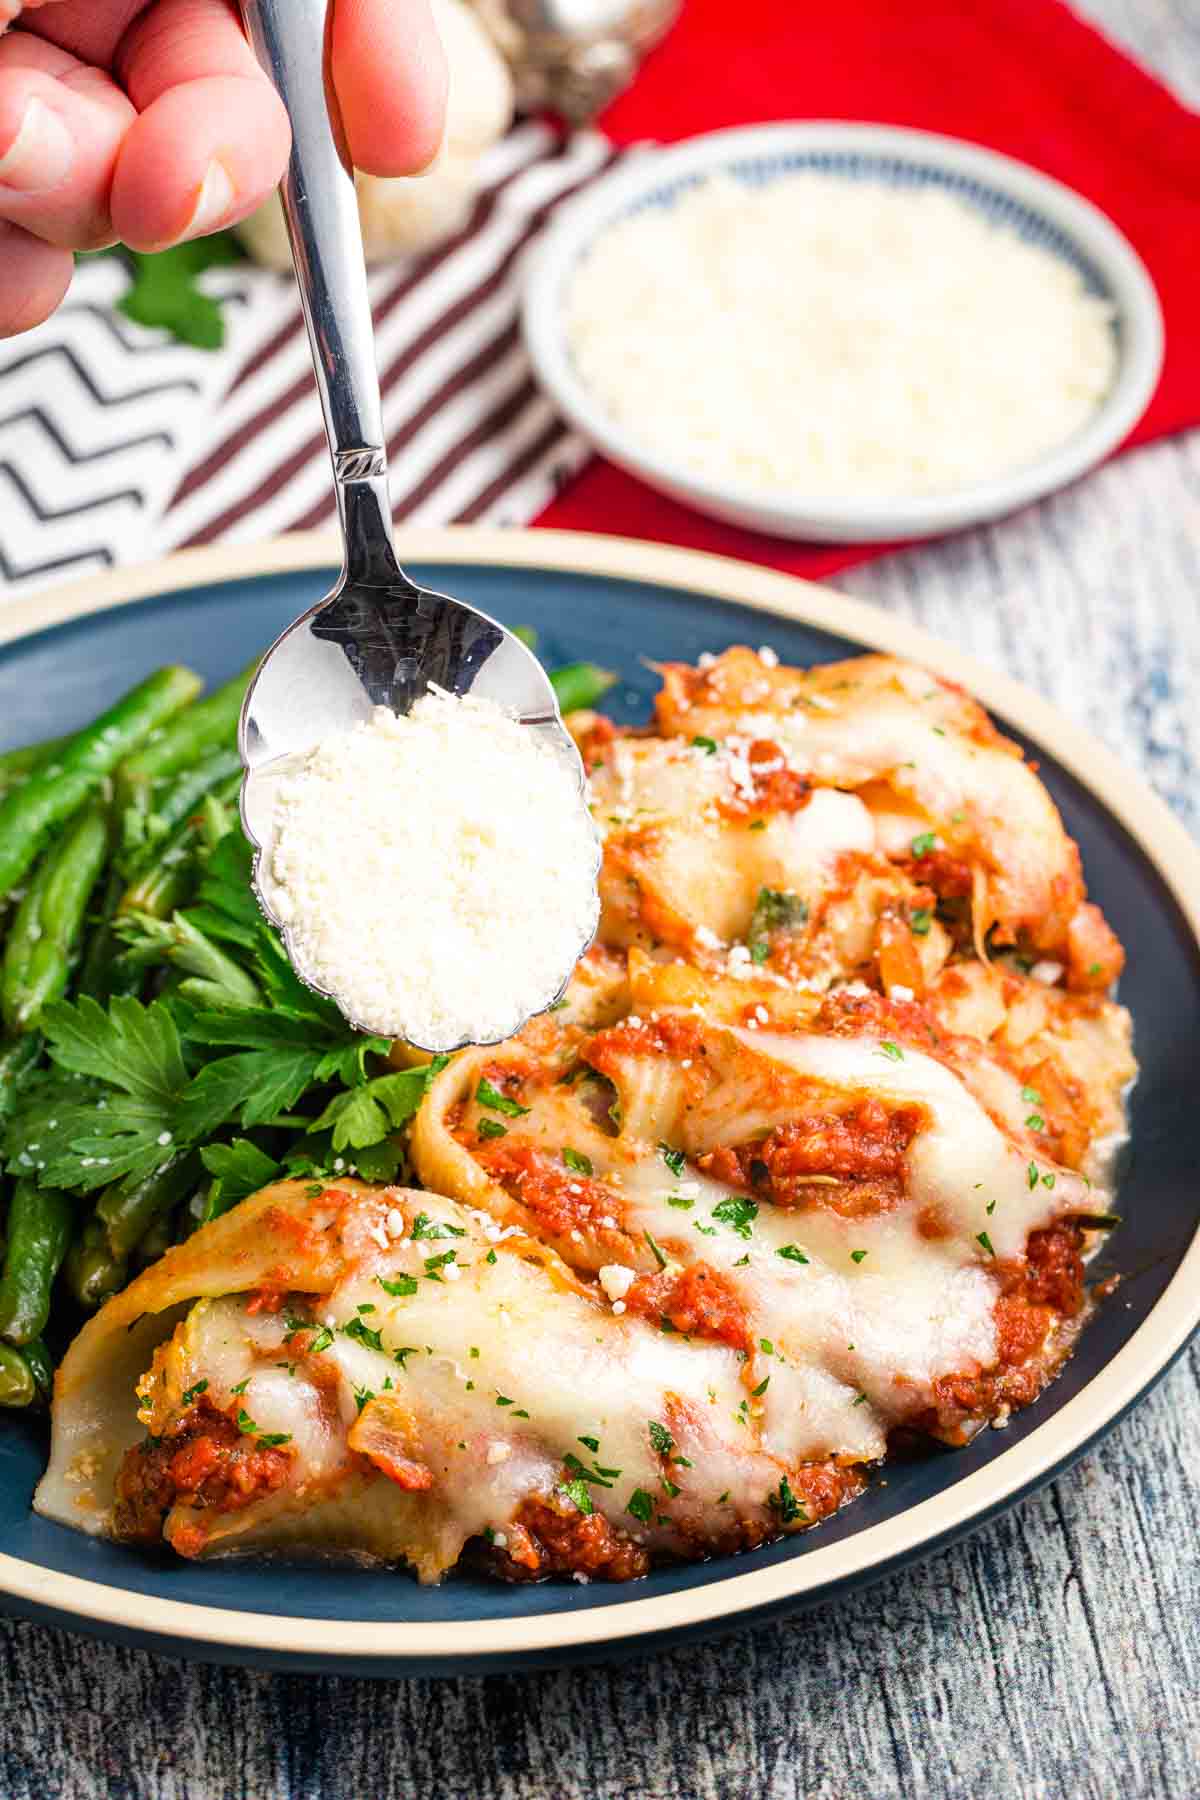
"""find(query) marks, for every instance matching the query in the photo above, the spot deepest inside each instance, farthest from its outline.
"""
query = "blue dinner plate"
(627, 607)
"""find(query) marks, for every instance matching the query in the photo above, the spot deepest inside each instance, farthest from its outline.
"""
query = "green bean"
(39, 1230)
(101, 975)
(207, 974)
(18, 765)
(18, 1383)
(128, 1212)
(183, 797)
(16, 1060)
(91, 1270)
(43, 936)
(53, 792)
(167, 882)
(209, 725)
(41, 1365)
(580, 684)
(158, 1237)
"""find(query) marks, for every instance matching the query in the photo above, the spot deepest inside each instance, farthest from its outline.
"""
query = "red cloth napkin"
(1024, 76)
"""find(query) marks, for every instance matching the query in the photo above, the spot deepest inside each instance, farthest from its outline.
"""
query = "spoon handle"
(290, 39)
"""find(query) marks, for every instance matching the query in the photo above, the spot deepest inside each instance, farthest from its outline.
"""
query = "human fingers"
(36, 276)
(211, 137)
(389, 73)
(61, 128)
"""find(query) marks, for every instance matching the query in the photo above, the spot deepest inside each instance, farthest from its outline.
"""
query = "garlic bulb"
(412, 213)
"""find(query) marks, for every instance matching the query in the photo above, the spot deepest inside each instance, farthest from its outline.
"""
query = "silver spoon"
(377, 639)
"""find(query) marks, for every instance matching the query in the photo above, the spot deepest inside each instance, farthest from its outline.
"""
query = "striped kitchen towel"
(118, 444)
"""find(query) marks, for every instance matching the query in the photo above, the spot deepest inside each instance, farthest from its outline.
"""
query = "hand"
(150, 121)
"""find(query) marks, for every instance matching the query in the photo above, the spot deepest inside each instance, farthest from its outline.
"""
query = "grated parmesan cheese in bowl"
(822, 336)
(435, 872)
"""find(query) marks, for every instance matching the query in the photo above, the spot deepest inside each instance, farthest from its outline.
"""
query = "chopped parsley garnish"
(681, 1201)
(598, 1476)
(577, 1161)
(434, 1263)
(359, 1329)
(924, 844)
(661, 1440)
(241, 1386)
(490, 1257)
(1031, 1175)
(669, 1487)
(1035, 1122)
(503, 1400)
(738, 1213)
(985, 1243)
(892, 1051)
(193, 1393)
(401, 1288)
(1031, 1097)
(491, 1128)
(589, 1443)
(641, 1505)
(402, 1355)
(674, 1159)
(491, 1097)
(271, 1440)
(859, 1399)
(576, 1490)
(775, 909)
(362, 1396)
(722, 1498)
(425, 1227)
(758, 825)
(784, 1502)
(1093, 968)
(1048, 1180)
(742, 1261)
(857, 1256)
(656, 1250)
(920, 920)
(705, 743)
(760, 1390)
(990, 1208)
(245, 1423)
(791, 1253)
(766, 1346)
(321, 1342)
(705, 1230)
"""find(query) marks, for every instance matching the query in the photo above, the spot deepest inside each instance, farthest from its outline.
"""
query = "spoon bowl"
(377, 639)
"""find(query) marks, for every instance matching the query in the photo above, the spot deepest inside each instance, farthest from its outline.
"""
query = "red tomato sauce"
(699, 1302)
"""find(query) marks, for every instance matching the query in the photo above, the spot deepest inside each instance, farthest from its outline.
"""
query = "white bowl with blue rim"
(1007, 192)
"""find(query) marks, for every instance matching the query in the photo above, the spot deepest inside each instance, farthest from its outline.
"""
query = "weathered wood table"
(1056, 1653)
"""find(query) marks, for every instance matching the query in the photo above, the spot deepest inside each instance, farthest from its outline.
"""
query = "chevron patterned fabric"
(117, 443)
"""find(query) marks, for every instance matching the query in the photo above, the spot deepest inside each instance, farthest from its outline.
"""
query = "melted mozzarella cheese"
(484, 1386)
(962, 1163)
(697, 871)
(875, 719)
(885, 1327)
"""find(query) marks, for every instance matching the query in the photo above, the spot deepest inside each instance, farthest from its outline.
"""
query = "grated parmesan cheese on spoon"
(436, 873)
(819, 335)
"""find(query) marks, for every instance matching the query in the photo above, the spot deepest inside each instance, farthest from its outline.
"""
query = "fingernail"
(213, 203)
(41, 154)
